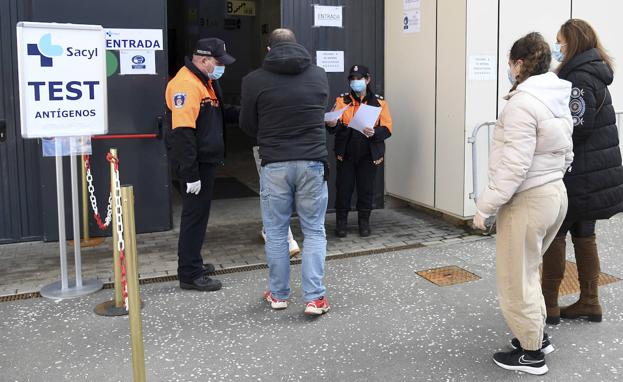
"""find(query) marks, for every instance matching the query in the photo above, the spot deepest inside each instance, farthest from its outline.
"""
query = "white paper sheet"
(365, 116)
(334, 115)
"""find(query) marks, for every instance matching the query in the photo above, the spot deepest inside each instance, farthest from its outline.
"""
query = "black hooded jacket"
(283, 106)
(595, 179)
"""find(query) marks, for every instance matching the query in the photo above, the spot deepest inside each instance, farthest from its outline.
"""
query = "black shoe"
(208, 268)
(341, 223)
(203, 283)
(546, 346)
(522, 360)
(364, 223)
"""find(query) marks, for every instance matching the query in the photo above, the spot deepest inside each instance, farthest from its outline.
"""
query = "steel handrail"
(473, 140)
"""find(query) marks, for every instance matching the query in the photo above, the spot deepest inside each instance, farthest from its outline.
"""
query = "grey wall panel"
(361, 39)
(20, 204)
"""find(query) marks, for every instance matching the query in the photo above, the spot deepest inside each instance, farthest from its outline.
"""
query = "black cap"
(359, 70)
(213, 47)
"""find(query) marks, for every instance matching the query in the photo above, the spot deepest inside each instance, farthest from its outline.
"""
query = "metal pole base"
(55, 291)
(109, 309)
(92, 242)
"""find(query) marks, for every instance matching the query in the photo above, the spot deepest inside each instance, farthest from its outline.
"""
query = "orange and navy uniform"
(350, 143)
(197, 118)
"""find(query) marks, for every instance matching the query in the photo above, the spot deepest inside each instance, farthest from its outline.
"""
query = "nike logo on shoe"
(524, 361)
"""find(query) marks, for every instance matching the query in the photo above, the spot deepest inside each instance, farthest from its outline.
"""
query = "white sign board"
(330, 61)
(482, 68)
(137, 62)
(62, 79)
(411, 21)
(411, 4)
(134, 39)
(327, 16)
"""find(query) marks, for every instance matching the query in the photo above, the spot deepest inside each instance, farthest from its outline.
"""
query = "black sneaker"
(203, 283)
(521, 360)
(546, 345)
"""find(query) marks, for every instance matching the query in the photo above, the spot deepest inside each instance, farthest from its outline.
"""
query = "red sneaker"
(275, 303)
(317, 307)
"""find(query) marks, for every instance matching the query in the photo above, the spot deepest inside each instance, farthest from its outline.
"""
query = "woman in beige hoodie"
(532, 149)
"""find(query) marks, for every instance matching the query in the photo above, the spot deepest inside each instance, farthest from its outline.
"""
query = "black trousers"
(350, 172)
(195, 215)
(579, 228)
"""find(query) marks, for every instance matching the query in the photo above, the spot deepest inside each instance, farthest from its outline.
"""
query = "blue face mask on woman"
(217, 72)
(557, 53)
(511, 78)
(358, 85)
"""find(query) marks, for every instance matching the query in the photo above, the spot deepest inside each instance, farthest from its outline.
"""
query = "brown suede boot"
(554, 261)
(587, 260)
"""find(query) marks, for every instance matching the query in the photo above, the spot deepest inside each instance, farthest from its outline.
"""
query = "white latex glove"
(479, 221)
(194, 187)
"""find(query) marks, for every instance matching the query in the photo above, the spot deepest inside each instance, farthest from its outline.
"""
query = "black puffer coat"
(595, 179)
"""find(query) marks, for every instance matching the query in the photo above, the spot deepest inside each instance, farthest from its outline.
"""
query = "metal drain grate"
(446, 276)
(570, 284)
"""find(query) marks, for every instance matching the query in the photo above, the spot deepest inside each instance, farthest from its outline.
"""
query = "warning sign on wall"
(241, 8)
(330, 61)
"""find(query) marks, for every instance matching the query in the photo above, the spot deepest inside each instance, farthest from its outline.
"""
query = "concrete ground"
(386, 324)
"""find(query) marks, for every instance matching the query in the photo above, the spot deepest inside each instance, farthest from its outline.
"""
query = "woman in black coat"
(595, 179)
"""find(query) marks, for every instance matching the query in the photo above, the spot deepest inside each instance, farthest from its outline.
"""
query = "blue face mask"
(217, 72)
(557, 53)
(358, 85)
(511, 78)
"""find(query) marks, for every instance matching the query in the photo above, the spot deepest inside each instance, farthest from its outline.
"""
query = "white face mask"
(511, 78)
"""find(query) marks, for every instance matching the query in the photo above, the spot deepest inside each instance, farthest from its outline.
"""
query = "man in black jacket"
(283, 106)
(196, 147)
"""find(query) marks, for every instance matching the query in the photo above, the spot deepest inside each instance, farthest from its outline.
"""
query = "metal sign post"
(64, 288)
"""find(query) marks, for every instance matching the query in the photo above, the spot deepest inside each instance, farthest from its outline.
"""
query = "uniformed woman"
(358, 153)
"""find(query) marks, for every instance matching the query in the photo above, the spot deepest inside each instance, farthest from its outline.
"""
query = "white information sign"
(134, 39)
(411, 21)
(327, 16)
(411, 4)
(137, 62)
(330, 61)
(482, 68)
(62, 79)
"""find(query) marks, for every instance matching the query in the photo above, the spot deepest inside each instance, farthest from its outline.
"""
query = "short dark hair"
(281, 35)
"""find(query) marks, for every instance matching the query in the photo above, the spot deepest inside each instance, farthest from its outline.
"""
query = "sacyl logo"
(45, 50)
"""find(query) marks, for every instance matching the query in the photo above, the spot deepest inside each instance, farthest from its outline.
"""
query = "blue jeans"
(283, 186)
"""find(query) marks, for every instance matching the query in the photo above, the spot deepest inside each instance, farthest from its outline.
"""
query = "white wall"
(410, 91)
(481, 96)
(450, 101)
(605, 17)
(436, 106)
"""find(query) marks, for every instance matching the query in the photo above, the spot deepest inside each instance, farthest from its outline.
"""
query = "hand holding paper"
(334, 115)
(365, 117)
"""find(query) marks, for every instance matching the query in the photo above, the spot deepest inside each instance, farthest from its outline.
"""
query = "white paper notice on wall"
(137, 62)
(327, 16)
(482, 68)
(412, 4)
(411, 22)
(330, 61)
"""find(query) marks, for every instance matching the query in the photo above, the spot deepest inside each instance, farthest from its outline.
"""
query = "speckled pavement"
(386, 324)
(233, 240)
